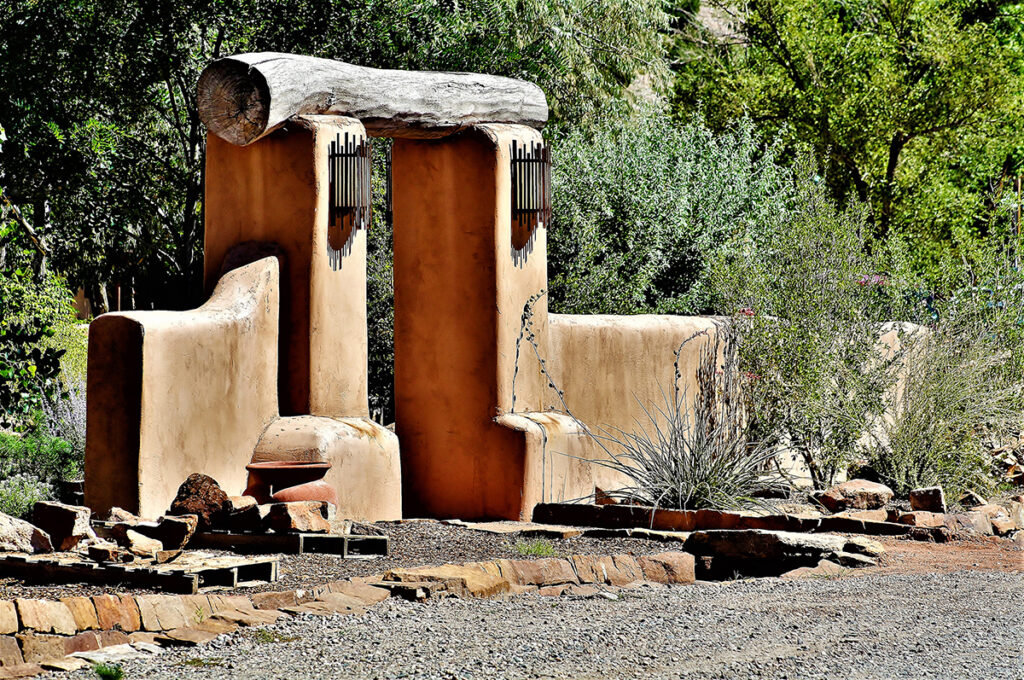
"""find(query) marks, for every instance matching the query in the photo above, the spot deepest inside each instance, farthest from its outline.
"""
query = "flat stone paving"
(964, 624)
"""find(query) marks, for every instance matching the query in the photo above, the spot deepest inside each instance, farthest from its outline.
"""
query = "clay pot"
(283, 481)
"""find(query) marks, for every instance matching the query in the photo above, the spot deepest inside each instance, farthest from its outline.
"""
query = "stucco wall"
(610, 367)
(276, 191)
(171, 393)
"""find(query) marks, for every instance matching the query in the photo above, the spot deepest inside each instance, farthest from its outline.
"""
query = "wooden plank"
(347, 545)
(40, 571)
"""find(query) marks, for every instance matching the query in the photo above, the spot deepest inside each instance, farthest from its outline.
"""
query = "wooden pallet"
(348, 546)
(192, 572)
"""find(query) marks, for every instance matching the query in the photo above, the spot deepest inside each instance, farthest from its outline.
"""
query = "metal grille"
(531, 184)
(349, 168)
(531, 195)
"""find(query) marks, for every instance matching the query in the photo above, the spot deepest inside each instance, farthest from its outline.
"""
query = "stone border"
(938, 527)
(39, 635)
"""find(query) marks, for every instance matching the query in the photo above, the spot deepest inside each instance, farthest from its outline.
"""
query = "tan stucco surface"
(171, 393)
(277, 191)
(455, 305)
(365, 466)
(610, 367)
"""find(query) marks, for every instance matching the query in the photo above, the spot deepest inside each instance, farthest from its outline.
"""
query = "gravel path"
(954, 625)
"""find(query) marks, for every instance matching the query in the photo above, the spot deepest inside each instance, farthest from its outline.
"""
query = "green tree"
(909, 105)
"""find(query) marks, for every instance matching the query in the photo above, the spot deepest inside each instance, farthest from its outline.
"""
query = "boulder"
(250, 517)
(756, 552)
(298, 516)
(200, 495)
(67, 525)
(930, 499)
(856, 494)
(19, 536)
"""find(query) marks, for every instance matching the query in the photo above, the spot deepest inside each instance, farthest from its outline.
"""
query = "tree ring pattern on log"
(234, 101)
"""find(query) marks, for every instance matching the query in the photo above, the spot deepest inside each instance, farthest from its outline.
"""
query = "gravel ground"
(955, 625)
(413, 544)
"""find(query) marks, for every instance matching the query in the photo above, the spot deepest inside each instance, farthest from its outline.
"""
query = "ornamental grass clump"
(695, 456)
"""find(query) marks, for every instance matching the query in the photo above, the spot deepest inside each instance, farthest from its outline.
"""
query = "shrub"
(808, 302)
(19, 494)
(65, 419)
(696, 456)
(40, 456)
(642, 205)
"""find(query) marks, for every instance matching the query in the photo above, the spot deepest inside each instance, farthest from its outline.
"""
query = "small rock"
(298, 516)
(200, 495)
(66, 525)
(856, 494)
(922, 519)
(971, 500)
(173, 532)
(109, 552)
(121, 515)
(140, 545)
(930, 499)
(824, 569)
(1003, 526)
(19, 536)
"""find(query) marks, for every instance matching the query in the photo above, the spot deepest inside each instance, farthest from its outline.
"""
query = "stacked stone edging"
(918, 525)
(34, 632)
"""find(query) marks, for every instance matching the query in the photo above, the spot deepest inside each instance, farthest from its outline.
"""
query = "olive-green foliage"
(912, 106)
(108, 671)
(961, 386)
(537, 547)
(41, 455)
(643, 205)
(807, 303)
(20, 493)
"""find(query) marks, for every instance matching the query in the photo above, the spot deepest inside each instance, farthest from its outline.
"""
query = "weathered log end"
(246, 96)
(234, 101)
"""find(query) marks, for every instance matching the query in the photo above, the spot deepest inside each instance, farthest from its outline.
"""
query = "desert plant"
(19, 493)
(695, 455)
(40, 455)
(108, 671)
(933, 431)
(536, 548)
(808, 302)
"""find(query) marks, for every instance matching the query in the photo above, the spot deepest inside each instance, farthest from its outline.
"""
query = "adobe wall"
(171, 393)
(611, 367)
(277, 191)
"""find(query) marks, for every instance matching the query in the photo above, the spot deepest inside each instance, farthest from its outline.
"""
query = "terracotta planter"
(286, 480)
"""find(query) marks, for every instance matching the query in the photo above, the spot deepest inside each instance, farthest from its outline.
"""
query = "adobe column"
(276, 190)
(461, 283)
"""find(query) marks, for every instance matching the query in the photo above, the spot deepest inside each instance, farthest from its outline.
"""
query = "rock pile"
(201, 496)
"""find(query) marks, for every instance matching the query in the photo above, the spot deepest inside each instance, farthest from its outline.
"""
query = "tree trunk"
(244, 97)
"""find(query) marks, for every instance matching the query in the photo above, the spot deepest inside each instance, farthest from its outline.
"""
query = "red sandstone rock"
(121, 515)
(83, 611)
(298, 516)
(67, 525)
(19, 536)
(36, 647)
(200, 495)
(922, 519)
(856, 494)
(8, 618)
(930, 499)
(44, 616)
(140, 545)
(669, 567)
(10, 651)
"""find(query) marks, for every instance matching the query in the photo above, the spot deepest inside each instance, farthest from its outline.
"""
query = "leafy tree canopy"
(911, 106)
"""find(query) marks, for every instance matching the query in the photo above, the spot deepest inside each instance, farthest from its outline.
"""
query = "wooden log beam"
(244, 97)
